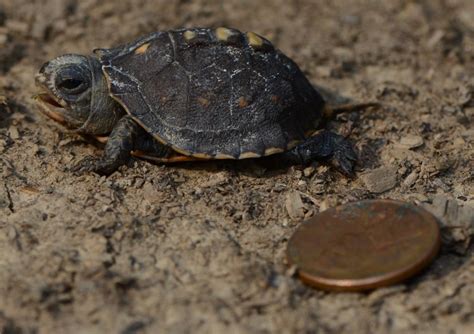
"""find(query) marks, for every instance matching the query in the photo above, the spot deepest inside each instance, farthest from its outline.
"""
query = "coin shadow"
(445, 264)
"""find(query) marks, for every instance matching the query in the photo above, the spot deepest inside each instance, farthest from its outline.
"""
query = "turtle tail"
(331, 112)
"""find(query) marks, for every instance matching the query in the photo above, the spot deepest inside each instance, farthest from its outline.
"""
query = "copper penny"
(364, 245)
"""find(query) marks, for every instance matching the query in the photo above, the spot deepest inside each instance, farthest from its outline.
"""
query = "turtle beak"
(50, 107)
(48, 103)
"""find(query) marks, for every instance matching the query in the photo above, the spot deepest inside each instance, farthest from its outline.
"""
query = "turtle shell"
(213, 93)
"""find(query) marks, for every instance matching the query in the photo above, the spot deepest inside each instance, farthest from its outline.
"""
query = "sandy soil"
(200, 247)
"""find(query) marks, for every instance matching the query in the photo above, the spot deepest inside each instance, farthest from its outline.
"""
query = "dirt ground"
(200, 248)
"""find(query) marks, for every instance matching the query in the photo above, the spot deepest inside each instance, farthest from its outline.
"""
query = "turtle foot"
(93, 164)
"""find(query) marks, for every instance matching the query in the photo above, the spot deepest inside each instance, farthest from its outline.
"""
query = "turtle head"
(74, 93)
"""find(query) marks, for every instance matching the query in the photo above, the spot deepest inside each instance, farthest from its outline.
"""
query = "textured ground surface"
(200, 248)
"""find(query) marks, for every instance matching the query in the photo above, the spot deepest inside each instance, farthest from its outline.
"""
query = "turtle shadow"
(261, 168)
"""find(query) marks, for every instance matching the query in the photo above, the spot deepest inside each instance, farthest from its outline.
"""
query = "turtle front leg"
(325, 145)
(121, 142)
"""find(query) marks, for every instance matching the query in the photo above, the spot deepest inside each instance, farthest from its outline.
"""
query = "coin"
(364, 245)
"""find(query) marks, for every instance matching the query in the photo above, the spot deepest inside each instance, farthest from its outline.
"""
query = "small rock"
(198, 191)
(459, 142)
(402, 170)
(351, 19)
(13, 132)
(435, 38)
(381, 179)
(294, 205)
(302, 183)
(457, 222)
(178, 178)
(216, 180)
(343, 53)
(3, 39)
(324, 205)
(138, 183)
(323, 71)
(308, 171)
(416, 197)
(467, 18)
(440, 184)
(149, 190)
(411, 141)
(279, 187)
(18, 26)
(410, 179)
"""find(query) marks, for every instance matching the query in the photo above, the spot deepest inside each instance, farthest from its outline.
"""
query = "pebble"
(411, 141)
(13, 132)
(435, 38)
(323, 71)
(216, 180)
(308, 171)
(380, 180)
(459, 142)
(410, 179)
(3, 39)
(302, 183)
(17, 26)
(294, 205)
(456, 220)
(324, 205)
(417, 197)
(440, 184)
(279, 187)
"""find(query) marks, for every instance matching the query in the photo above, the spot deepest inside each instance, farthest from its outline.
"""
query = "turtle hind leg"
(325, 145)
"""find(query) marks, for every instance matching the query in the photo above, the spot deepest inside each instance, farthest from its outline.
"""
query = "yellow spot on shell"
(273, 150)
(223, 156)
(292, 144)
(142, 49)
(223, 34)
(201, 155)
(248, 155)
(243, 102)
(275, 98)
(203, 101)
(254, 39)
(189, 35)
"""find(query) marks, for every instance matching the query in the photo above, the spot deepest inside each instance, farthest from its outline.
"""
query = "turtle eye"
(70, 84)
(71, 81)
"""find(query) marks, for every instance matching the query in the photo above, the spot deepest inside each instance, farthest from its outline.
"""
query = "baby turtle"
(191, 94)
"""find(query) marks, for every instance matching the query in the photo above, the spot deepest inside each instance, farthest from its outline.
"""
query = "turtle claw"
(344, 158)
(91, 164)
(344, 163)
